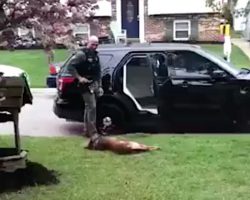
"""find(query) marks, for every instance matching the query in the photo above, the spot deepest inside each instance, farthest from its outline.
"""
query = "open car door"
(161, 81)
(138, 82)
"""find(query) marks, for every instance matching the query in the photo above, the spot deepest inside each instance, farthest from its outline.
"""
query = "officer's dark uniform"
(86, 64)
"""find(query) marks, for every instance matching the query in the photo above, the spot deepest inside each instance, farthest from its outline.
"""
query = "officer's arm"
(77, 60)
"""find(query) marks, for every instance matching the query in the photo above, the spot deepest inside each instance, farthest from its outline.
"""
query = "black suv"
(162, 85)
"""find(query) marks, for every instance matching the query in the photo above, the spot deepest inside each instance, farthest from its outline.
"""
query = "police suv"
(162, 85)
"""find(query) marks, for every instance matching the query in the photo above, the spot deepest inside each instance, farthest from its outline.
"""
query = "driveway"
(39, 120)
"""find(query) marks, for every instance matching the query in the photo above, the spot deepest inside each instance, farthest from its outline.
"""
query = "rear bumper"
(51, 81)
(62, 109)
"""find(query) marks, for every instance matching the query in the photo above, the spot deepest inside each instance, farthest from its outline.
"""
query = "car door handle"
(184, 84)
(244, 90)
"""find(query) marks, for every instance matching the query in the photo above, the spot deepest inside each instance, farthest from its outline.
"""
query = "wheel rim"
(111, 118)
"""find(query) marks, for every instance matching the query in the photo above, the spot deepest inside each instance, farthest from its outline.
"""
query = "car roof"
(146, 47)
(120, 50)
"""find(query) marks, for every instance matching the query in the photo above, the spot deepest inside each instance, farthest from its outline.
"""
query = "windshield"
(227, 65)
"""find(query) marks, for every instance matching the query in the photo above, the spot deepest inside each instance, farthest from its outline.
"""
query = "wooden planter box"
(11, 102)
(11, 160)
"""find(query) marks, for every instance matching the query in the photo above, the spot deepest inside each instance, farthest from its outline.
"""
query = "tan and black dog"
(105, 143)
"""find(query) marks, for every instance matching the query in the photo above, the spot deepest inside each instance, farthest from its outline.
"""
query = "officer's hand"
(100, 92)
(83, 80)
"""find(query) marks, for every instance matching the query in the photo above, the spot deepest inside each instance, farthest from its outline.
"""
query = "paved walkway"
(43, 90)
(38, 119)
(243, 45)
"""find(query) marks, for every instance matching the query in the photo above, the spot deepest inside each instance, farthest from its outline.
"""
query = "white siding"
(177, 6)
(104, 10)
(239, 23)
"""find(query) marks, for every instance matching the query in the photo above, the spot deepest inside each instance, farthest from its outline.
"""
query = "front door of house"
(130, 20)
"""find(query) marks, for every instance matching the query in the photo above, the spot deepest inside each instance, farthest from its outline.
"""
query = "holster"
(87, 87)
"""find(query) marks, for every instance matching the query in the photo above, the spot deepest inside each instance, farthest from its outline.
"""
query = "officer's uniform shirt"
(86, 63)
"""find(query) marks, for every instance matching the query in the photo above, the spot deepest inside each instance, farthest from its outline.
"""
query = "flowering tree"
(49, 16)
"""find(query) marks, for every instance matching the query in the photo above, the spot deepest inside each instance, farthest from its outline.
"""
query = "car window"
(186, 63)
(228, 65)
(104, 60)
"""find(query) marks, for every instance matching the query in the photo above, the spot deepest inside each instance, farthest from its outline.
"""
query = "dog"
(105, 143)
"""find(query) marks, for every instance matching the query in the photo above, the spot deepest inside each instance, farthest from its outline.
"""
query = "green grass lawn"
(35, 61)
(32, 61)
(187, 167)
(236, 34)
(238, 57)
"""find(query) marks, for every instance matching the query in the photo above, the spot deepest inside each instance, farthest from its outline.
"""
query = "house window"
(182, 29)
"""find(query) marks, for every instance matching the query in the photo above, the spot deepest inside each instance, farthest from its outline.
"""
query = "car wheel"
(113, 113)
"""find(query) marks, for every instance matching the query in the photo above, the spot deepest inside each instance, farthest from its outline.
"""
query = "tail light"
(52, 70)
(64, 81)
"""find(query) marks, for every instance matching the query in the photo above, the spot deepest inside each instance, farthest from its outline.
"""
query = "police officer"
(85, 66)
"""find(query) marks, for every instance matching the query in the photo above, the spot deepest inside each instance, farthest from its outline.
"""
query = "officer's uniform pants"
(90, 110)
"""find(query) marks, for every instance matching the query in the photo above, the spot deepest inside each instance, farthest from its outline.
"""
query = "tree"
(49, 16)
(218, 5)
(227, 9)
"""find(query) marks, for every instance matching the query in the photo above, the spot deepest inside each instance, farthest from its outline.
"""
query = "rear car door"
(137, 81)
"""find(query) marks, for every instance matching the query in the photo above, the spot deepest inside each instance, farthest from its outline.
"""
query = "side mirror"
(244, 70)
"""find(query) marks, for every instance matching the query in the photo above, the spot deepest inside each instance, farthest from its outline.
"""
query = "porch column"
(142, 21)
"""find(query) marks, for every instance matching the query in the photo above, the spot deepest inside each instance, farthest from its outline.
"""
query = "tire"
(117, 116)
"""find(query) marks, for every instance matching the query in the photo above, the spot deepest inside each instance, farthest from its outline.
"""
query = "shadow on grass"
(35, 174)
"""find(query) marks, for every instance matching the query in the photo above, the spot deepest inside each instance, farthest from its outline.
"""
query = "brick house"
(158, 20)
